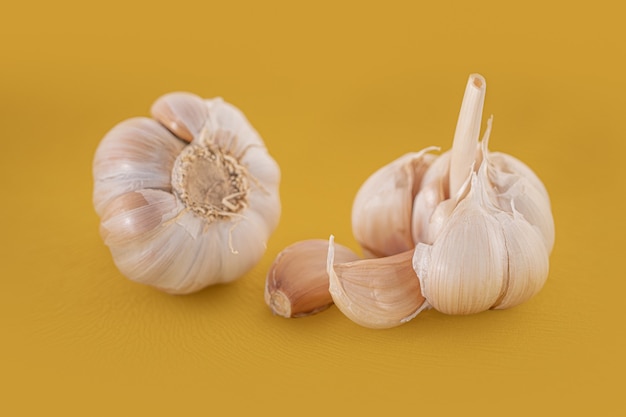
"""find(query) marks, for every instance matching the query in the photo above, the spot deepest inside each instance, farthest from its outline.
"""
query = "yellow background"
(337, 89)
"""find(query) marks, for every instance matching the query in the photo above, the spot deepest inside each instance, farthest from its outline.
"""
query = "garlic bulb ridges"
(186, 200)
(377, 293)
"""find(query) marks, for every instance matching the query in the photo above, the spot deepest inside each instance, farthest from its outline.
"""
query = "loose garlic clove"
(376, 293)
(181, 216)
(297, 282)
(382, 208)
(527, 266)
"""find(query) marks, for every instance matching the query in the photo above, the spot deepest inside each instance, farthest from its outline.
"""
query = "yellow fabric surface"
(337, 90)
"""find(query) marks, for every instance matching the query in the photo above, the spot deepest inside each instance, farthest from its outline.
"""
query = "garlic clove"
(463, 271)
(527, 261)
(137, 153)
(433, 190)
(376, 293)
(508, 164)
(297, 282)
(136, 214)
(184, 114)
(382, 208)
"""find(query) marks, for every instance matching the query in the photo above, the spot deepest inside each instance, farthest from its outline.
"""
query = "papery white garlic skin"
(179, 225)
(483, 258)
(382, 208)
(377, 293)
(297, 282)
(514, 181)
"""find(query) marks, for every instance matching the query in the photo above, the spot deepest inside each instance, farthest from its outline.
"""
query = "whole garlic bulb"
(187, 198)
(480, 231)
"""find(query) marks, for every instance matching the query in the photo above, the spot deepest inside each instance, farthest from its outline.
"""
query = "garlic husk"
(297, 282)
(180, 216)
(382, 208)
(433, 190)
(376, 293)
(515, 181)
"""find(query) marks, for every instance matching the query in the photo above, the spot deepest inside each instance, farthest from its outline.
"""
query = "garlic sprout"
(187, 198)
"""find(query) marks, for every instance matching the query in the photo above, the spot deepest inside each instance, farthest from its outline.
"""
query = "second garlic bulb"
(478, 225)
(188, 198)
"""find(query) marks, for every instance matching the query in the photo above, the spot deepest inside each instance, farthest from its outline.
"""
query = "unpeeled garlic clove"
(297, 282)
(433, 190)
(137, 153)
(377, 293)
(184, 114)
(382, 208)
(136, 214)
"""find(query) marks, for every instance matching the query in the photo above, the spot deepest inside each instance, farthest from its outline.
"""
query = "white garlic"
(187, 199)
(382, 208)
(480, 222)
(376, 293)
(297, 282)
(490, 249)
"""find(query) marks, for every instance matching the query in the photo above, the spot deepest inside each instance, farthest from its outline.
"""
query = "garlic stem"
(467, 132)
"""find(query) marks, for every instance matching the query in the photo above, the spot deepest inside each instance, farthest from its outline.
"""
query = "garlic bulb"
(480, 223)
(186, 199)
(491, 243)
